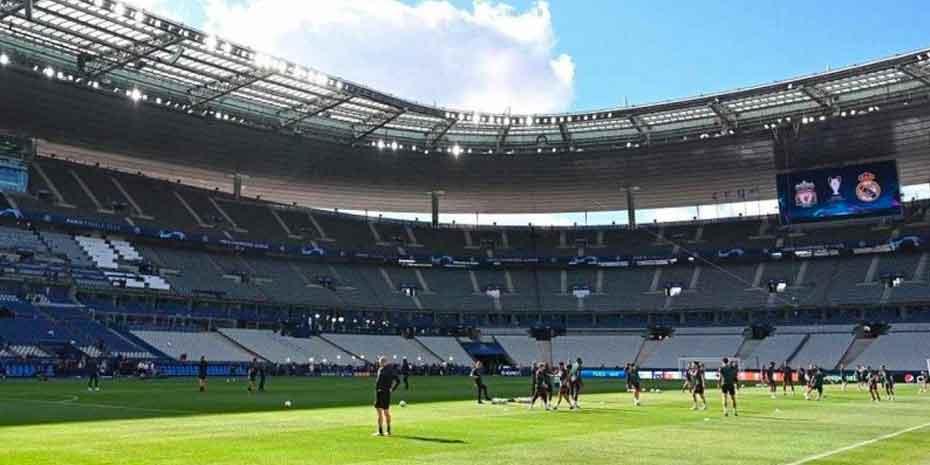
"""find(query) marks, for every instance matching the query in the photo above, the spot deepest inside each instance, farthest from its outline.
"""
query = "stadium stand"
(394, 348)
(191, 346)
(282, 349)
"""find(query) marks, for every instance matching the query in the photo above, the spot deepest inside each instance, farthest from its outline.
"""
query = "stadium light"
(380, 144)
(394, 146)
(4, 59)
(135, 95)
(456, 150)
(49, 72)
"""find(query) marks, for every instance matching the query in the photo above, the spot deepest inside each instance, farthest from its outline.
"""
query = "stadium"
(185, 219)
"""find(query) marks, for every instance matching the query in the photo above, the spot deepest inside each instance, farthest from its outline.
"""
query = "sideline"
(859, 444)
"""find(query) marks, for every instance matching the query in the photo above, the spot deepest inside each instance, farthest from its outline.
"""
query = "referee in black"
(479, 384)
(385, 384)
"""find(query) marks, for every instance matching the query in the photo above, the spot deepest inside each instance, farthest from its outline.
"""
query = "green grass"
(168, 422)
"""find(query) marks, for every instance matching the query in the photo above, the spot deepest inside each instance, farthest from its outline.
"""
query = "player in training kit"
(479, 384)
(633, 383)
(202, 374)
(862, 378)
(728, 378)
(873, 381)
(925, 383)
(93, 374)
(887, 382)
(696, 374)
(787, 378)
(815, 382)
(386, 383)
(565, 387)
(770, 378)
(543, 386)
(253, 373)
(576, 382)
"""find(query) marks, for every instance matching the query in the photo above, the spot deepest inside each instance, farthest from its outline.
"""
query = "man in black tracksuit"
(386, 382)
(479, 384)
(93, 374)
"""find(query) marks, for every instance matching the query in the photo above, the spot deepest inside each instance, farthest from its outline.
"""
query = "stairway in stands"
(120, 262)
(855, 350)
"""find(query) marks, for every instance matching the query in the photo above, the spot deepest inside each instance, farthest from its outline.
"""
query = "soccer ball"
(287, 404)
(402, 404)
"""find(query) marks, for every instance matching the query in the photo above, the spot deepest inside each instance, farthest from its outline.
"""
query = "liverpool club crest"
(805, 194)
(868, 189)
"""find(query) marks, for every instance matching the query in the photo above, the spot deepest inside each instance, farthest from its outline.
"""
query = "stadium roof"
(195, 103)
(112, 45)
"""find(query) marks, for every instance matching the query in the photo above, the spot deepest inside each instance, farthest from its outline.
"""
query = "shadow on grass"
(433, 440)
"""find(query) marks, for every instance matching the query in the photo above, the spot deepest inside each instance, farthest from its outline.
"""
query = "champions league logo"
(805, 194)
(868, 190)
(835, 182)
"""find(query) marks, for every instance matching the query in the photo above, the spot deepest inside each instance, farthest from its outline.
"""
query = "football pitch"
(331, 421)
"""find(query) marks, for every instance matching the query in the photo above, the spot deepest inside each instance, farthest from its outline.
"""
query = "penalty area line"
(859, 444)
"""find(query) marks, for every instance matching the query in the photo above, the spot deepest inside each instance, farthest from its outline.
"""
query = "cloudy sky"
(532, 56)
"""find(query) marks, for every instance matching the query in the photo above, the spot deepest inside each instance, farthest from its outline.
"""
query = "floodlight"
(394, 146)
(49, 72)
(456, 150)
(4, 59)
(210, 42)
(135, 95)
(380, 145)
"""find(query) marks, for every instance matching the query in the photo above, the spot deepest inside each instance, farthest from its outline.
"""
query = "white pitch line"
(73, 403)
(859, 444)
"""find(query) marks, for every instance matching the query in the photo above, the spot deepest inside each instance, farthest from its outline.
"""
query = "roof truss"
(375, 122)
(117, 58)
(12, 7)
(212, 90)
(438, 131)
(822, 97)
(728, 119)
(305, 110)
(916, 72)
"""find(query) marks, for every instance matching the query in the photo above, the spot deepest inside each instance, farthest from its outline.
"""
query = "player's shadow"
(435, 440)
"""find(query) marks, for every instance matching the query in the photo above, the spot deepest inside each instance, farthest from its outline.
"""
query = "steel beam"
(502, 136)
(311, 108)
(116, 58)
(728, 119)
(566, 136)
(12, 7)
(916, 72)
(438, 131)
(212, 90)
(822, 97)
(375, 122)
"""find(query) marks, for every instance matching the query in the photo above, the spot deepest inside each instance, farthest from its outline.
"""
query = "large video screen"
(852, 191)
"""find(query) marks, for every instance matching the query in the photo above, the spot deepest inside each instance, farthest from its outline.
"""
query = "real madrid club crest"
(805, 194)
(868, 189)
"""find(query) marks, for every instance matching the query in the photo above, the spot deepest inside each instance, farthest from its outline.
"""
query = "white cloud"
(491, 57)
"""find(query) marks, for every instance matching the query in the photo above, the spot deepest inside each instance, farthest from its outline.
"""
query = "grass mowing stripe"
(859, 444)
